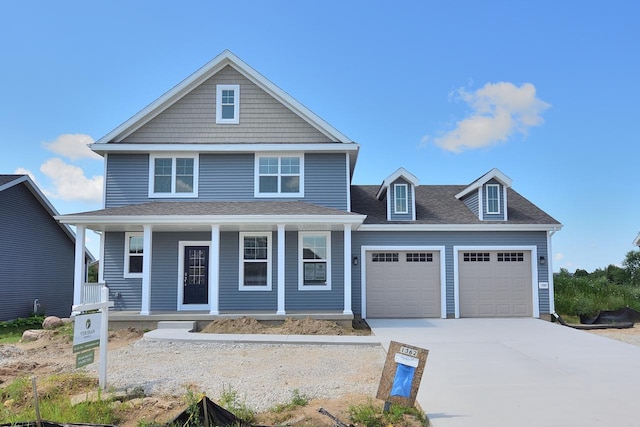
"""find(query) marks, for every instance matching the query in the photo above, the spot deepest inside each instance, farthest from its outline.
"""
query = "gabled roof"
(636, 242)
(492, 174)
(9, 181)
(400, 173)
(226, 58)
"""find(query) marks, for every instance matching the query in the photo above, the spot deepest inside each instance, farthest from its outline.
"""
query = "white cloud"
(70, 183)
(72, 146)
(23, 171)
(497, 111)
(558, 257)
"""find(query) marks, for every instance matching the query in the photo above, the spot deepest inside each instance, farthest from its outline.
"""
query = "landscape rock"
(52, 322)
(32, 335)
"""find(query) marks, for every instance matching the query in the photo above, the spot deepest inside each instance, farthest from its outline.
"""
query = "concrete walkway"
(497, 372)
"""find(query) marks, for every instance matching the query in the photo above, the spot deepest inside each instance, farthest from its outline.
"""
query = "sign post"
(91, 330)
(402, 373)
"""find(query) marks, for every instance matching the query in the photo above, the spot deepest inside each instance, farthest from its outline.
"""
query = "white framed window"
(314, 254)
(173, 175)
(401, 199)
(133, 254)
(493, 198)
(255, 261)
(279, 175)
(227, 104)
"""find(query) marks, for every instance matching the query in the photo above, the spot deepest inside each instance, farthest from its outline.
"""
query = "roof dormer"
(487, 196)
(399, 188)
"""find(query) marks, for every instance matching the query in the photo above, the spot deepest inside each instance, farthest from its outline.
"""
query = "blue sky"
(545, 91)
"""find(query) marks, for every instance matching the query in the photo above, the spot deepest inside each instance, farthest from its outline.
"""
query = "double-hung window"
(314, 250)
(173, 176)
(401, 201)
(133, 253)
(255, 261)
(493, 198)
(279, 176)
(228, 104)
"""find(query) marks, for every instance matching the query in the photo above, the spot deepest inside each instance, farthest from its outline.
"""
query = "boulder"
(52, 322)
(31, 335)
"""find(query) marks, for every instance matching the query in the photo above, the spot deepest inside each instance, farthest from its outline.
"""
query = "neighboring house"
(36, 253)
(228, 196)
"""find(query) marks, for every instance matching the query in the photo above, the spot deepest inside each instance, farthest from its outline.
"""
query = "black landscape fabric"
(216, 414)
(613, 316)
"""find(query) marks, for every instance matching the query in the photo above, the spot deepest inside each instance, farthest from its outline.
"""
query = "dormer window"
(401, 200)
(228, 104)
(493, 198)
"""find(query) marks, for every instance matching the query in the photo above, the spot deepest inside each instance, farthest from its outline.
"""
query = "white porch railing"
(91, 293)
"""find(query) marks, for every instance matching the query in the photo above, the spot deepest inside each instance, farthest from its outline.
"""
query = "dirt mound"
(290, 326)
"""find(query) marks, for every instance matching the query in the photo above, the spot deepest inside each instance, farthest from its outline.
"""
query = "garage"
(495, 283)
(403, 284)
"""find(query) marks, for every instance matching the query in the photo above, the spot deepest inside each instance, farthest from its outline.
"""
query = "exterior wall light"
(355, 260)
(543, 260)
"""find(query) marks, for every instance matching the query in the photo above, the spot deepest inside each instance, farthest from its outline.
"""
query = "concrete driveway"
(520, 373)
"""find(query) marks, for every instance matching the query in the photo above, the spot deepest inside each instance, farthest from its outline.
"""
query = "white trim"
(147, 255)
(480, 205)
(104, 181)
(173, 157)
(224, 148)
(443, 272)
(459, 227)
(534, 271)
(413, 203)
(347, 270)
(236, 104)
(281, 270)
(406, 198)
(241, 261)
(504, 202)
(180, 304)
(552, 303)
(214, 271)
(79, 265)
(301, 285)
(348, 175)
(125, 268)
(279, 193)
(101, 259)
(493, 173)
(498, 212)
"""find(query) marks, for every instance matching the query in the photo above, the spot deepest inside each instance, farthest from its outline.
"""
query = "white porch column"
(101, 260)
(347, 269)
(145, 308)
(214, 271)
(78, 271)
(281, 255)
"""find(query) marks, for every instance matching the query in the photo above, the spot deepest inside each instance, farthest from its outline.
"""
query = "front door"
(196, 275)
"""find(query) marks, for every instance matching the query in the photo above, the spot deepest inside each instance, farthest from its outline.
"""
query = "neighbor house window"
(173, 176)
(255, 261)
(493, 199)
(401, 199)
(228, 104)
(133, 253)
(279, 176)
(314, 250)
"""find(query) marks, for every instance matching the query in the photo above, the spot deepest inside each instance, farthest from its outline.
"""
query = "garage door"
(495, 283)
(403, 284)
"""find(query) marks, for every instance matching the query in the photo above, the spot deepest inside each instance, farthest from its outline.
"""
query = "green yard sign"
(85, 358)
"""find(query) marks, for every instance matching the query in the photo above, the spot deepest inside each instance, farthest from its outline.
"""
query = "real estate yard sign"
(86, 337)
(402, 373)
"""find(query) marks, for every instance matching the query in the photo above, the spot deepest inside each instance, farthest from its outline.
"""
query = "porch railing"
(91, 293)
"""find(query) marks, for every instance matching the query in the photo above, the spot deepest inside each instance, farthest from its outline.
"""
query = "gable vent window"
(420, 257)
(384, 257)
(476, 256)
(228, 104)
(510, 257)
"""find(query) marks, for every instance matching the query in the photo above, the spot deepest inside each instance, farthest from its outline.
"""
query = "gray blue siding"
(36, 258)
(472, 202)
(127, 179)
(391, 194)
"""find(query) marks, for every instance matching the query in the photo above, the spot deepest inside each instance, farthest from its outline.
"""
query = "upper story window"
(401, 200)
(228, 104)
(173, 176)
(279, 176)
(255, 261)
(493, 198)
(315, 263)
(133, 253)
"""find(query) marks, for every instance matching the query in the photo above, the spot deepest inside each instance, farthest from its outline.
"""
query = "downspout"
(552, 304)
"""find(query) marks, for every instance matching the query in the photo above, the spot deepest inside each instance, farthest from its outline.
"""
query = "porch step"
(177, 324)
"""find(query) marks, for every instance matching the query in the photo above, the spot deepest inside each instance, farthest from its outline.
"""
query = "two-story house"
(226, 196)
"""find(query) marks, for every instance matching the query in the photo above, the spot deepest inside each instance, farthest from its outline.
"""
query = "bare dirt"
(290, 326)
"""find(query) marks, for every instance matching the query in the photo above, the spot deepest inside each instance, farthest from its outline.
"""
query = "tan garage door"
(403, 284)
(495, 283)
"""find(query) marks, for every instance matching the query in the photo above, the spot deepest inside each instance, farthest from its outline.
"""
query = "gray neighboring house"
(36, 253)
(226, 196)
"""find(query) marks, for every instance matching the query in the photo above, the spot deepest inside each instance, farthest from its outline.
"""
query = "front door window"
(196, 275)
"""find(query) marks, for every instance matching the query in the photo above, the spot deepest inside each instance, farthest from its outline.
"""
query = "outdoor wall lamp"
(355, 260)
(543, 260)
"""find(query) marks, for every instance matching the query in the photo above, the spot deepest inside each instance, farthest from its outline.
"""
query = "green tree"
(617, 275)
(631, 266)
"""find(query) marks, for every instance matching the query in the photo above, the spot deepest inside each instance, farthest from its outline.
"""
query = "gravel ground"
(263, 375)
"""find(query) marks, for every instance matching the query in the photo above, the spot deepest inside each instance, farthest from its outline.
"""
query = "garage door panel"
(403, 284)
(495, 283)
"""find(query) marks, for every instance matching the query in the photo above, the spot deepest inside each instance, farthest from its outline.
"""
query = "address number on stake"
(409, 351)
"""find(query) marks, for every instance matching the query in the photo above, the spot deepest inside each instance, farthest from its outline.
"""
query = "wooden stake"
(35, 401)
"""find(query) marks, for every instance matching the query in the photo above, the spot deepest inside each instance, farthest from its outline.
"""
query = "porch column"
(101, 259)
(145, 308)
(347, 269)
(281, 299)
(78, 270)
(214, 271)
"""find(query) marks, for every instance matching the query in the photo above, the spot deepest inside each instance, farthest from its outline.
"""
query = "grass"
(230, 401)
(372, 415)
(575, 296)
(11, 332)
